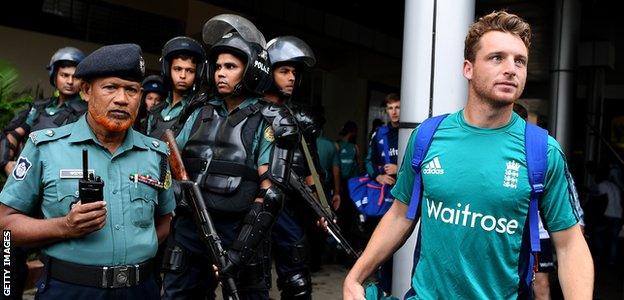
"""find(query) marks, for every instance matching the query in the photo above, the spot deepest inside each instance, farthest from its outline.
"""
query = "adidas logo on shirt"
(434, 167)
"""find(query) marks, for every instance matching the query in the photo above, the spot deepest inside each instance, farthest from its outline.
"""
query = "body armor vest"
(70, 113)
(159, 124)
(220, 150)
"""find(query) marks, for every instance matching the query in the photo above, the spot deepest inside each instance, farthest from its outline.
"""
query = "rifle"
(320, 192)
(297, 183)
(208, 233)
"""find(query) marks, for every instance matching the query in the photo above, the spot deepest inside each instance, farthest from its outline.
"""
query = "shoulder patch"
(21, 168)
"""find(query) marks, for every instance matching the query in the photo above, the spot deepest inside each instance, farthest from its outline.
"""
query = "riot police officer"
(183, 64)
(290, 57)
(98, 240)
(58, 110)
(228, 142)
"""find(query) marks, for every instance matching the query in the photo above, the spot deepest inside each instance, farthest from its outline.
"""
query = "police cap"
(153, 83)
(122, 60)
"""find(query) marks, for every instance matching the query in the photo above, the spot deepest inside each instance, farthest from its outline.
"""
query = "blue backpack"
(370, 197)
(536, 147)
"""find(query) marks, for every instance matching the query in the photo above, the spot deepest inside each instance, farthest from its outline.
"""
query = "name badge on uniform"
(73, 173)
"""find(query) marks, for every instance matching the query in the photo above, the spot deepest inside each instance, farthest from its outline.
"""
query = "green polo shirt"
(261, 138)
(43, 180)
(348, 159)
(52, 108)
(328, 158)
(169, 111)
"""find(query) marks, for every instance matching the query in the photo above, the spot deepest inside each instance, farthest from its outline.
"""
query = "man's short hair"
(391, 98)
(63, 64)
(497, 21)
(183, 56)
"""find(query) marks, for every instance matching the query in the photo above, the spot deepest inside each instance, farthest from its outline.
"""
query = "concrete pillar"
(565, 35)
(431, 83)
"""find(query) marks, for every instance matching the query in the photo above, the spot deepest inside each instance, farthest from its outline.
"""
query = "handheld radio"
(90, 189)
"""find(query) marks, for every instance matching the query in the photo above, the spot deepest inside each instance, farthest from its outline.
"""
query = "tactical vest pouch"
(239, 200)
(232, 186)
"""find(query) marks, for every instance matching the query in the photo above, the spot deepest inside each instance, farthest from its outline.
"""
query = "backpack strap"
(536, 147)
(424, 136)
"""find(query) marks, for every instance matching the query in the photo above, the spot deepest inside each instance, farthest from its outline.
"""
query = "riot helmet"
(67, 54)
(234, 34)
(186, 46)
(289, 50)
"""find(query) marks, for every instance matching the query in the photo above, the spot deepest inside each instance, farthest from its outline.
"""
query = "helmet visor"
(218, 26)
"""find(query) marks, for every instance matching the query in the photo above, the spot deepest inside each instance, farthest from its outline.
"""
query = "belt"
(100, 276)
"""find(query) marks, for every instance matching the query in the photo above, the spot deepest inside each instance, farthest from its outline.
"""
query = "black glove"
(233, 265)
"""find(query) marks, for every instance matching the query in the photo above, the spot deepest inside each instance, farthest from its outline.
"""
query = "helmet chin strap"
(284, 95)
(237, 91)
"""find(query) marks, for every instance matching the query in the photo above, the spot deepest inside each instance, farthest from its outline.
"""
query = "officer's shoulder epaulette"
(156, 145)
(47, 135)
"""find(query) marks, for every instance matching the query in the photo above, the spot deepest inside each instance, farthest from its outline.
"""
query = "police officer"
(64, 107)
(228, 142)
(290, 57)
(153, 94)
(153, 91)
(100, 249)
(183, 64)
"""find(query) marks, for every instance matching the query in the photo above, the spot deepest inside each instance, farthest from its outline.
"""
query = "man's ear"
(467, 70)
(86, 90)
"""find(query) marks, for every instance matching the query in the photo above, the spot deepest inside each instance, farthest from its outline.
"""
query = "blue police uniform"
(114, 261)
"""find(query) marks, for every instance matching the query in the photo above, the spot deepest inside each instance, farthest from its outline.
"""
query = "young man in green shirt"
(476, 190)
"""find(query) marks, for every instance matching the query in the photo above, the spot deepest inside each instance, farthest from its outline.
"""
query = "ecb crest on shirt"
(21, 168)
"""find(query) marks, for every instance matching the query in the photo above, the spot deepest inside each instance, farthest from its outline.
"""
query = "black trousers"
(196, 279)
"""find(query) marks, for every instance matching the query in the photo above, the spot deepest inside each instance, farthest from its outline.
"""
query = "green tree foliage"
(12, 100)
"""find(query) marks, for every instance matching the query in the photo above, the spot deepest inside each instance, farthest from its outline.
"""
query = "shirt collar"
(219, 103)
(169, 99)
(74, 98)
(81, 132)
